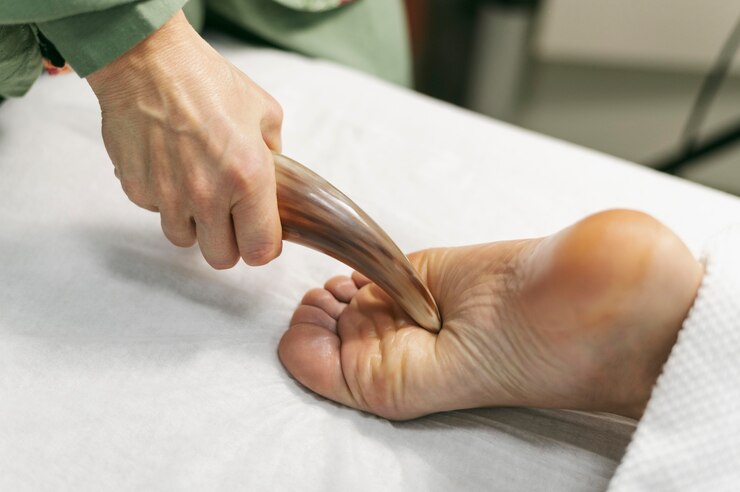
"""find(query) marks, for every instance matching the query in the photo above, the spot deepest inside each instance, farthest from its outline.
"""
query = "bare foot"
(583, 319)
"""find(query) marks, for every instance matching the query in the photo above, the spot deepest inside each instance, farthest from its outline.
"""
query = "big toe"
(351, 343)
(310, 349)
(360, 354)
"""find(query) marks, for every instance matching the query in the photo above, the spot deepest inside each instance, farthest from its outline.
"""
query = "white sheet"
(689, 437)
(126, 363)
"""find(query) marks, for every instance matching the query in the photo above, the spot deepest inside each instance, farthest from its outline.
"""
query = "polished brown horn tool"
(316, 214)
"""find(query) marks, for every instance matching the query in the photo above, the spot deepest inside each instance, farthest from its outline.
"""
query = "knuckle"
(250, 173)
(134, 190)
(171, 206)
(238, 175)
(200, 194)
(274, 111)
(166, 193)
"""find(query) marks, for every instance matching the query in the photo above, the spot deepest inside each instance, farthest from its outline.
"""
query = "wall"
(680, 35)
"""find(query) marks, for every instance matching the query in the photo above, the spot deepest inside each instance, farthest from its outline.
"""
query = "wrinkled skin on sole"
(583, 319)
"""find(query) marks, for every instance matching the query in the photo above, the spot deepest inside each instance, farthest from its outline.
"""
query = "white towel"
(689, 437)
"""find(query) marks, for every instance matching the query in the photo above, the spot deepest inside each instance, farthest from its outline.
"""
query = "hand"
(190, 137)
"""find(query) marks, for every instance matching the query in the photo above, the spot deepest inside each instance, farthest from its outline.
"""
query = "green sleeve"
(20, 60)
(31, 11)
(369, 35)
(91, 41)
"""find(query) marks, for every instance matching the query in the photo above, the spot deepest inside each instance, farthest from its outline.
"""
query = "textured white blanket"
(689, 437)
(126, 363)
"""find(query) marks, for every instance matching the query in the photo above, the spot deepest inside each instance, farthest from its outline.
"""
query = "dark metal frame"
(689, 157)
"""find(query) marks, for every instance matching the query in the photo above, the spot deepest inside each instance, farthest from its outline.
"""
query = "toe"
(311, 315)
(350, 343)
(324, 300)
(360, 280)
(313, 356)
(342, 288)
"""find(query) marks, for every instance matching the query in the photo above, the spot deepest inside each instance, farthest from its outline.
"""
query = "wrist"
(160, 49)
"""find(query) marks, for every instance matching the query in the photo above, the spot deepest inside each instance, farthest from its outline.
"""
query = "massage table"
(129, 364)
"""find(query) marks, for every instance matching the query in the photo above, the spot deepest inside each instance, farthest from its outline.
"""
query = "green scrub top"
(369, 35)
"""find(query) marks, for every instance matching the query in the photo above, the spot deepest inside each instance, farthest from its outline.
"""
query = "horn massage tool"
(317, 215)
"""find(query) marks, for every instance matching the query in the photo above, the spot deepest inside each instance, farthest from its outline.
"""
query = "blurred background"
(619, 76)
